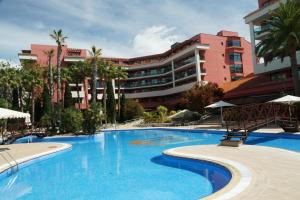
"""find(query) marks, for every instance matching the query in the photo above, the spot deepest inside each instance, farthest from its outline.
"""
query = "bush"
(72, 120)
(46, 121)
(172, 112)
(162, 113)
(133, 110)
(150, 117)
(92, 118)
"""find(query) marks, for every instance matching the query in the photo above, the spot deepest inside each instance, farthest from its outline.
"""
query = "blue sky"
(121, 28)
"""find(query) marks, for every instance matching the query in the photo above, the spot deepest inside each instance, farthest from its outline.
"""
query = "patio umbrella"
(220, 104)
(289, 100)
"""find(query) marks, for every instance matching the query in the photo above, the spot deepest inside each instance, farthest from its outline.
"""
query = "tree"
(65, 80)
(38, 110)
(95, 53)
(200, 96)
(78, 73)
(9, 79)
(283, 38)
(32, 81)
(46, 101)
(59, 39)
(111, 103)
(50, 54)
(120, 74)
(122, 108)
(68, 100)
(104, 71)
(15, 99)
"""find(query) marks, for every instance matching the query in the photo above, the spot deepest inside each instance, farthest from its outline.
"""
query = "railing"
(158, 72)
(252, 117)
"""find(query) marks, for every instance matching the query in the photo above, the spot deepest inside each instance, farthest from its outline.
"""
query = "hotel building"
(160, 79)
(268, 81)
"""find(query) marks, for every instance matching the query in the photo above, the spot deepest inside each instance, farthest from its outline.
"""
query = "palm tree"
(78, 74)
(65, 79)
(95, 53)
(106, 73)
(120, 74)
(283, 38)
(59, 39)
(32, 80)
(50, 54)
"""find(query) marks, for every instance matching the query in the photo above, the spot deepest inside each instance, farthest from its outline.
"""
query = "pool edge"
(31, 159)
(241, 175)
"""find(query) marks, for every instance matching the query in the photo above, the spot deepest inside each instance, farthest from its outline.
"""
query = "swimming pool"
(127, 165)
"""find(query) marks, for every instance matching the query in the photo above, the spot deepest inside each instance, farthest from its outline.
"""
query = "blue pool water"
(126, 165)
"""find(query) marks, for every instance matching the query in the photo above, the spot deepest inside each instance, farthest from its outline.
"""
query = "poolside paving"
(28, 151)
(275, 173)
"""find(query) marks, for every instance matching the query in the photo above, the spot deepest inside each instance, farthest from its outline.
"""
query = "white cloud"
(155, 39)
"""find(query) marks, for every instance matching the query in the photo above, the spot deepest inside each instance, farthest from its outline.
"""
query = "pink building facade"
(161, 79)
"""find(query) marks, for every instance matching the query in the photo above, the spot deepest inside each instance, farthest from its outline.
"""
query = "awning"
(12, 114)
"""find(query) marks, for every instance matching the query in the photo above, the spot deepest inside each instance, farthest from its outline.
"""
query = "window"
(237, 68)
(225, 79)
(235, 57)
(234, 43)
(224, 67)
(223, 54)
(222, 43)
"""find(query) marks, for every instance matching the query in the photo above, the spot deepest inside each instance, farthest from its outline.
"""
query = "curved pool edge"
(34, 157)
(241, 175)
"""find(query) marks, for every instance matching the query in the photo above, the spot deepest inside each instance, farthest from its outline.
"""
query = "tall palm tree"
(283, 38)
(78, 73)
(120, 74)
(94, 53)
(50, 54)
(60, 40)
(104, 72)
(32, 80)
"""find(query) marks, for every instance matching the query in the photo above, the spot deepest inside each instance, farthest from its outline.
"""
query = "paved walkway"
(274, 173)
(25, 152)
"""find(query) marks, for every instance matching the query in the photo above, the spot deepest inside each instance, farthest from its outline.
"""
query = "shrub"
(133, 110)
(172, 112)
(150, 117)
(92, 118)
(162, 113)
(71, 120)
(46, 121)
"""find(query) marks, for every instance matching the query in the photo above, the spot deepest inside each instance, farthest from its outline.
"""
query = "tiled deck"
(25, 152)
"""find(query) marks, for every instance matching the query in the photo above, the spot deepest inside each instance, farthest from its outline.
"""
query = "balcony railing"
(261, 29)
(150, 73)
(148, 83)
(184, 62)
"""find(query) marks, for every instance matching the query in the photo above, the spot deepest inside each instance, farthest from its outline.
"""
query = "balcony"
(261, 31)
(27, 56)
(151, 73)
(152, 83)
(184, 74)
